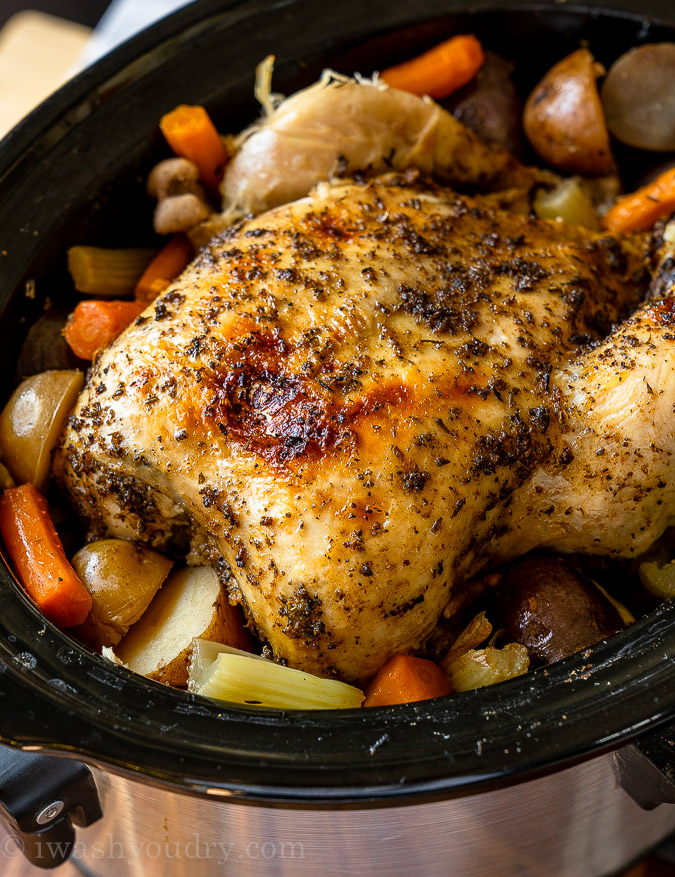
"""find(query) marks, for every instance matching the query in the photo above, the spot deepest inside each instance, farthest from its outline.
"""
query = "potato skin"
(31, 421)
(564, 119)
(122, 578)
(191, 604)
(552, 610)
(489, 105)
(225, 627)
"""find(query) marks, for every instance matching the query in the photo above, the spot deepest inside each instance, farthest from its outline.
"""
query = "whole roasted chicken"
(354, 402)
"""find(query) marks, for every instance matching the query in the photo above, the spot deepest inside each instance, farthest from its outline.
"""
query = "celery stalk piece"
(105, 272)
(253, 681)
(202, 655)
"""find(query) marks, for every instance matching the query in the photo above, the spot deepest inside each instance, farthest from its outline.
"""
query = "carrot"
(39, 559)
(95, 324)
(191, 134)
(441, 70)
(404, 679)
(166, 265)
(641, 209)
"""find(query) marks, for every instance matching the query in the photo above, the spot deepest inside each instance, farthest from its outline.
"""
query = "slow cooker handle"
(646, 768)
(41, 797)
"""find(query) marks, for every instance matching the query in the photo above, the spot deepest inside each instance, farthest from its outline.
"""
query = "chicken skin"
(352, 403)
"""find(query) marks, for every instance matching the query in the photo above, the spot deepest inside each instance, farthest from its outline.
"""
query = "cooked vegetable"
(639, 99)
(105, 272)
(174, 176)
(567, 202)
(489, 105)
(96, 324)
(254, 681)
(625, 614)
(122, 578)
(31, 421)
(6, 479)
(441, 70)
(641, 209)
(203, 653)
(475, 633)
(191, 134)
(180, 213)
(283, 157)
(45, 348)
(552, 609)
(658, 575)
(166, 266)
(405, 679)
(479, 667)
(190, 604)
(564, 120)
(39, 559)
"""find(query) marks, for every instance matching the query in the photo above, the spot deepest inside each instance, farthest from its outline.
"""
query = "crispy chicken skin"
(354, 402)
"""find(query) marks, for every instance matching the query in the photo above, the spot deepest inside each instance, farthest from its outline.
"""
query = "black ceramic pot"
(525, 778)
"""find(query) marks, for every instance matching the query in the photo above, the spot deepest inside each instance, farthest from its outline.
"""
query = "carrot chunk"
(191, 134)
(39, 559)
(441, 70)
(641, 209)
(95, 324)
(164, 268)
(404, 679)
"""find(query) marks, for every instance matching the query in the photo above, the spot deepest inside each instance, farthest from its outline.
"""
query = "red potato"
(564, 119)
(190, 604)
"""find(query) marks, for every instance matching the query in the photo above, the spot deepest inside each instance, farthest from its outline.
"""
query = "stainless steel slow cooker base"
(538, 828)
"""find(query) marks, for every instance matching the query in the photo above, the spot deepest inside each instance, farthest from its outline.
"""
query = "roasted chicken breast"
(352, 403)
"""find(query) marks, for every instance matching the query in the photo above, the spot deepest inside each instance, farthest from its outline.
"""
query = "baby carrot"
(95, 324)
(191, 134)
(166, 265)
(39, 559)
(441, 70)
(641, 209)
(404, 679)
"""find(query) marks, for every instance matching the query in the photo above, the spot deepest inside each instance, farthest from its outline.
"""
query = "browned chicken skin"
(354, 402)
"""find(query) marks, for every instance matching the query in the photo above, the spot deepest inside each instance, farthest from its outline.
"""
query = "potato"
(191, 604)
(568, 203)
(564, 120)
(489, 105)
(639, 99)
(552, 610)
(122, 578)
(45, 347)
(31, 421)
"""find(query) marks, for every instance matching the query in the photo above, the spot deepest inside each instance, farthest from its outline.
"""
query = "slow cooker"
(569, 770)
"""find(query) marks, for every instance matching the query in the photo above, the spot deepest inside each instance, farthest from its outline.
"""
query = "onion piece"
(479, 667)
(658, 575)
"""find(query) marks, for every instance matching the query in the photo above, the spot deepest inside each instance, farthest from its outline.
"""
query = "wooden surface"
(37, 52)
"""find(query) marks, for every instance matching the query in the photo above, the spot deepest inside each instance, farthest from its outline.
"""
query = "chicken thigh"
(352, 403)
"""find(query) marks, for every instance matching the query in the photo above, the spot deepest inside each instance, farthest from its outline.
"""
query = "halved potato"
(31, 421)
(122, 578)
(191, 604)
(564, 119)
